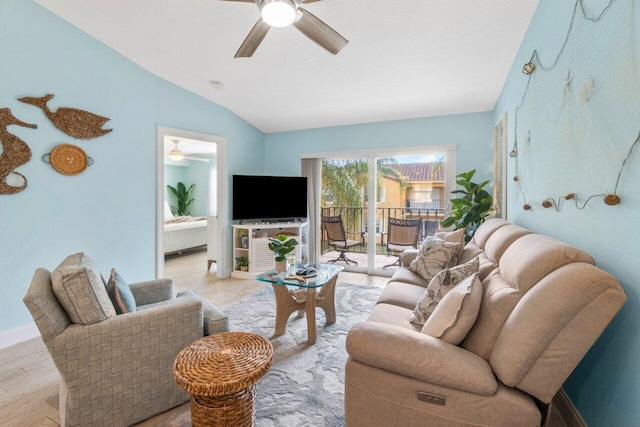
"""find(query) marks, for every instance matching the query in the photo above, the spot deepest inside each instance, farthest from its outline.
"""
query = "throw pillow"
(456, 236)
(80, 290)
(120, 294)
(454, 317)
(442, 283)
(435, 255)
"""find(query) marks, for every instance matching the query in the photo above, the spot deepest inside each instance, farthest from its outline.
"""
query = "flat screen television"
(269, 197)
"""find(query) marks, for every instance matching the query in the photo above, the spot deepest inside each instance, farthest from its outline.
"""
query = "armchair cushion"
(435, 255)
(80, 290)
(442, 283)
(120, 294)
(454, 317)
(152, 291)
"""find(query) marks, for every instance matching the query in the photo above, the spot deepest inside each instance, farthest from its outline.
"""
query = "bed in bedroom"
(183, 232)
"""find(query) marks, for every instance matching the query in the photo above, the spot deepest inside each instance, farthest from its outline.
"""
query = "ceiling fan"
(282, 13)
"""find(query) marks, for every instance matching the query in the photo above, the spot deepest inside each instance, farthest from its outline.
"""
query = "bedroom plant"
(281, 245)
(182, 195)
(470, 208)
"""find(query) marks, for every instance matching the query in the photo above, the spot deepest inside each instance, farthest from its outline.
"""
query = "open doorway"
(191, 161)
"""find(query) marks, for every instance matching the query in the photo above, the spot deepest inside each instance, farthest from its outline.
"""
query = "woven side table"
(220, 372)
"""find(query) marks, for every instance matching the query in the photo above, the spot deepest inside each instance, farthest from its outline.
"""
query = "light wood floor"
(29, 379)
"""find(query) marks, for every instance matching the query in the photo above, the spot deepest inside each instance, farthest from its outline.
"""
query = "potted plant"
(182, 194)
(470, 209)
(282, 245)
(242, 263)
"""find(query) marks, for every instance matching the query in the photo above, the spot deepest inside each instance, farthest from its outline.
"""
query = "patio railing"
(354, 219)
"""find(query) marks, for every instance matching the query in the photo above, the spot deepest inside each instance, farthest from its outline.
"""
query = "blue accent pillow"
(120, 294)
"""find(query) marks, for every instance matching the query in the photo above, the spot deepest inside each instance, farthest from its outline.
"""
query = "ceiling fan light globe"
(278, 13)
(175, 155)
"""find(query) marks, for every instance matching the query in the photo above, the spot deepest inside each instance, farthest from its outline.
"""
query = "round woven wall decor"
(68, 159)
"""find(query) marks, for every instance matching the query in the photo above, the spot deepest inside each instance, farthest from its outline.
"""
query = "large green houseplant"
(183, 197)
(470, 208)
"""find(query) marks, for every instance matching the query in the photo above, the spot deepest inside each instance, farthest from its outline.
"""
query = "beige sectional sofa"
(544, 304)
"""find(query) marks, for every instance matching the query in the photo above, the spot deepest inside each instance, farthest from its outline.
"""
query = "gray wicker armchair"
(118, 371)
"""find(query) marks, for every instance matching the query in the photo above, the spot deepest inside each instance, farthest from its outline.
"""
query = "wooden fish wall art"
(15, 152)
(76, 123)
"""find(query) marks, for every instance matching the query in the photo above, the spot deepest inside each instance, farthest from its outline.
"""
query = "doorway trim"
(222, 266)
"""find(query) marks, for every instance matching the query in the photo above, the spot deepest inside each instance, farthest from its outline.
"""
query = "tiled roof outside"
(423, 171)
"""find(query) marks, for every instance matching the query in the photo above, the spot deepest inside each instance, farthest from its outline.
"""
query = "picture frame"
(500, 168)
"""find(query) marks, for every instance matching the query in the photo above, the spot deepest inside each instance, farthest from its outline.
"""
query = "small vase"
(281, 266)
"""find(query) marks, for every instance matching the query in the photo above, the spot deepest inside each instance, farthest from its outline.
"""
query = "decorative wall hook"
(528, 68)
(612, 199)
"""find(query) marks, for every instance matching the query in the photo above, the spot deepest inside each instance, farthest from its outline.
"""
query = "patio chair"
(337, 238)
(402, 235)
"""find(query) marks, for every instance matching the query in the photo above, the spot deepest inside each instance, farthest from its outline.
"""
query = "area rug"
(305, 385)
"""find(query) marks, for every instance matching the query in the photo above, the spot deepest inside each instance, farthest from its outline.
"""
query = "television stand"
(251, 241)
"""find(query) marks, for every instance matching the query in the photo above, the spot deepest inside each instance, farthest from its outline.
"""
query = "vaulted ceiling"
(405, 59)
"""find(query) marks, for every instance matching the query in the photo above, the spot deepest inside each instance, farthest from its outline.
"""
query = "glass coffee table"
(303, 294)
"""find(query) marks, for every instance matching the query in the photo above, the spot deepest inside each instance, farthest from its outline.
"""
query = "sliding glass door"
(344, 212)
(382, 204)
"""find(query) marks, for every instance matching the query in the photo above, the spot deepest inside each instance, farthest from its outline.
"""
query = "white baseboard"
(567, 410)
(17, 335)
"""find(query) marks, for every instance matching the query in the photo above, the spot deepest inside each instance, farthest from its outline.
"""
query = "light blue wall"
(108, 211)
(198, 174)
(606, 385)
(471, 132)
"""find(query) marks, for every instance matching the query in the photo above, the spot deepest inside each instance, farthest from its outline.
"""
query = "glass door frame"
(371, 156)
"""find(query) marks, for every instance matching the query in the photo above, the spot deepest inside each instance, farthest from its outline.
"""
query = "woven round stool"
(220, 372)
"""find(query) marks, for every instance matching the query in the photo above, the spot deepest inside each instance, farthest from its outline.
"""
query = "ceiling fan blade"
(319, 32)
(248, 1)
(253, 40)
(308, 1)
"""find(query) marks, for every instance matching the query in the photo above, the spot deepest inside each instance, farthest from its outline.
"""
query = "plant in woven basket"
(470, 209)
(182, 195)
(282, 246)
(242, 263)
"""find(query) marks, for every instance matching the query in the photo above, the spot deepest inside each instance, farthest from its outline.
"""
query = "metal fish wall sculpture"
(15, 152)
(76, 123)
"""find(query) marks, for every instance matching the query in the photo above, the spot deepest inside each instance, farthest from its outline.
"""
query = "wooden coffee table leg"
(326, 300)
(285, 305)
(311, 315)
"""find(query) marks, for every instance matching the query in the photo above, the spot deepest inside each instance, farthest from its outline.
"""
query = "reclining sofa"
(544, 304)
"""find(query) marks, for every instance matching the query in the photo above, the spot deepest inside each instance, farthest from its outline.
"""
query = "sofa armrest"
(215, 320)
(420, 356)
(407, 256)
(152, 291)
